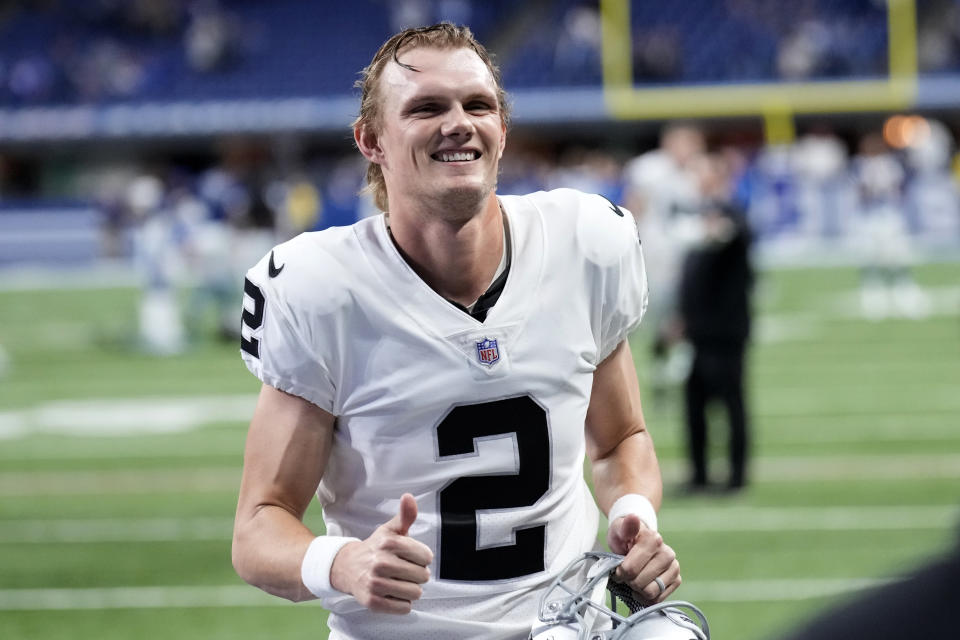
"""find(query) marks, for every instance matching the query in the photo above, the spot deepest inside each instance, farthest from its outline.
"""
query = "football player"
(662, 190)
(437, 375)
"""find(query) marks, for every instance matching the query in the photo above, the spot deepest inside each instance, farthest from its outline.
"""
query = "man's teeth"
(460, 156)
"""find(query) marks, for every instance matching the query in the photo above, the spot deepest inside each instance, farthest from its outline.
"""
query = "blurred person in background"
(577, 55)
(158, 240)
(590, 170)
(932, 192)
(236, 190)
(441, 410)
(715, 291)
(883, 235)
(661, 189)
(207, 247)
(212, 37)
(340, 205)
(820, 161)
(296, 203)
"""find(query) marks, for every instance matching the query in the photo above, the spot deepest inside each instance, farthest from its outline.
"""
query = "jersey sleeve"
(626, 310)
(614, 246)
(275, 340)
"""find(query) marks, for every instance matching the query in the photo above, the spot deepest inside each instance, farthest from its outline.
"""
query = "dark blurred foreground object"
(922, 605)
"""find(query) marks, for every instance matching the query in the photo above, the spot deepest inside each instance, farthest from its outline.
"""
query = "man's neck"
(458, 260)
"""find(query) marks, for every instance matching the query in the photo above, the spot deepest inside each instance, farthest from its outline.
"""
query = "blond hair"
(443, 35)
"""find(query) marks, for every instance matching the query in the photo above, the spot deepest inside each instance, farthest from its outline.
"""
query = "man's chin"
(463, 201)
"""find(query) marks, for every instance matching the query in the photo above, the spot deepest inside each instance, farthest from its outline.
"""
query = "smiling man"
(437, 375)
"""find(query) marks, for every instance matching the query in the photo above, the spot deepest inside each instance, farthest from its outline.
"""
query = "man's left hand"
(650, 566)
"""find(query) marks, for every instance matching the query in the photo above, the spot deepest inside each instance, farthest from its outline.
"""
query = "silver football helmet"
(574, 607)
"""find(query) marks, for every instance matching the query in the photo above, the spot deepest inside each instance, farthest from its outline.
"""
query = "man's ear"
(368, 142)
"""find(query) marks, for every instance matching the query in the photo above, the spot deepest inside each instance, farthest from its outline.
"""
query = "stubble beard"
(460, 204)
(455, 205)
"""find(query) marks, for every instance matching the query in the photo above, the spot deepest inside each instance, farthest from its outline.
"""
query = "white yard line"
(837, 518)
(941, 429)
(125, 416)
(674, 520)
(115, 530)
(147, 481)
(134, 598)
(858, 467)
(205, 446)
(219, 443)
(766, 469)
(806, 326)
(243, 596)
(786, 590)
(170, 415)
(853, 467)
(104, 274)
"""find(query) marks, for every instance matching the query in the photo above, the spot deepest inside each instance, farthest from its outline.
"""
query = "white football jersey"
(483, 422)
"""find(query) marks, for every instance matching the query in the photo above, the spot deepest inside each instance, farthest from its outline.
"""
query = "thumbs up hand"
(385, 571)
(406, 515)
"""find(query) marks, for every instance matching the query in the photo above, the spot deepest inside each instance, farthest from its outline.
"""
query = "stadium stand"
(163, 87)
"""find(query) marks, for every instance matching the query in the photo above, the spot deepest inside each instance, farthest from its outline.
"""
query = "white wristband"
(636, 504)
(317, 562)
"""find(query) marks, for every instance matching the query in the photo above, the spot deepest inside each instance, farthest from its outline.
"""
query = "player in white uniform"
(662, 190)
(886, 282)
(437, 376)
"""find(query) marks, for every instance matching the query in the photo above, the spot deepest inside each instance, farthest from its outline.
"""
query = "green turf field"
(119, 471)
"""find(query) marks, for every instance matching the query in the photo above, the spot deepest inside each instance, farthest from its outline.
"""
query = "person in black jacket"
(714, 296)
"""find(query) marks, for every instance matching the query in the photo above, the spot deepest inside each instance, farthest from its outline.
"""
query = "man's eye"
(479, 106)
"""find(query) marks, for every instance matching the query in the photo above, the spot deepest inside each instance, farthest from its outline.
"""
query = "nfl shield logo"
(487, 351)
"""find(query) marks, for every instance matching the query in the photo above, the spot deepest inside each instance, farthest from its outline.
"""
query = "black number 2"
(252, 319)
(461, 557)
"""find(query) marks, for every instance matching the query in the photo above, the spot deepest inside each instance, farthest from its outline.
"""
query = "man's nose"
(456, 122)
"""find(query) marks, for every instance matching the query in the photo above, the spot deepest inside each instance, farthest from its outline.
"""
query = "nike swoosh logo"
(273, 270)
(617, 210)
